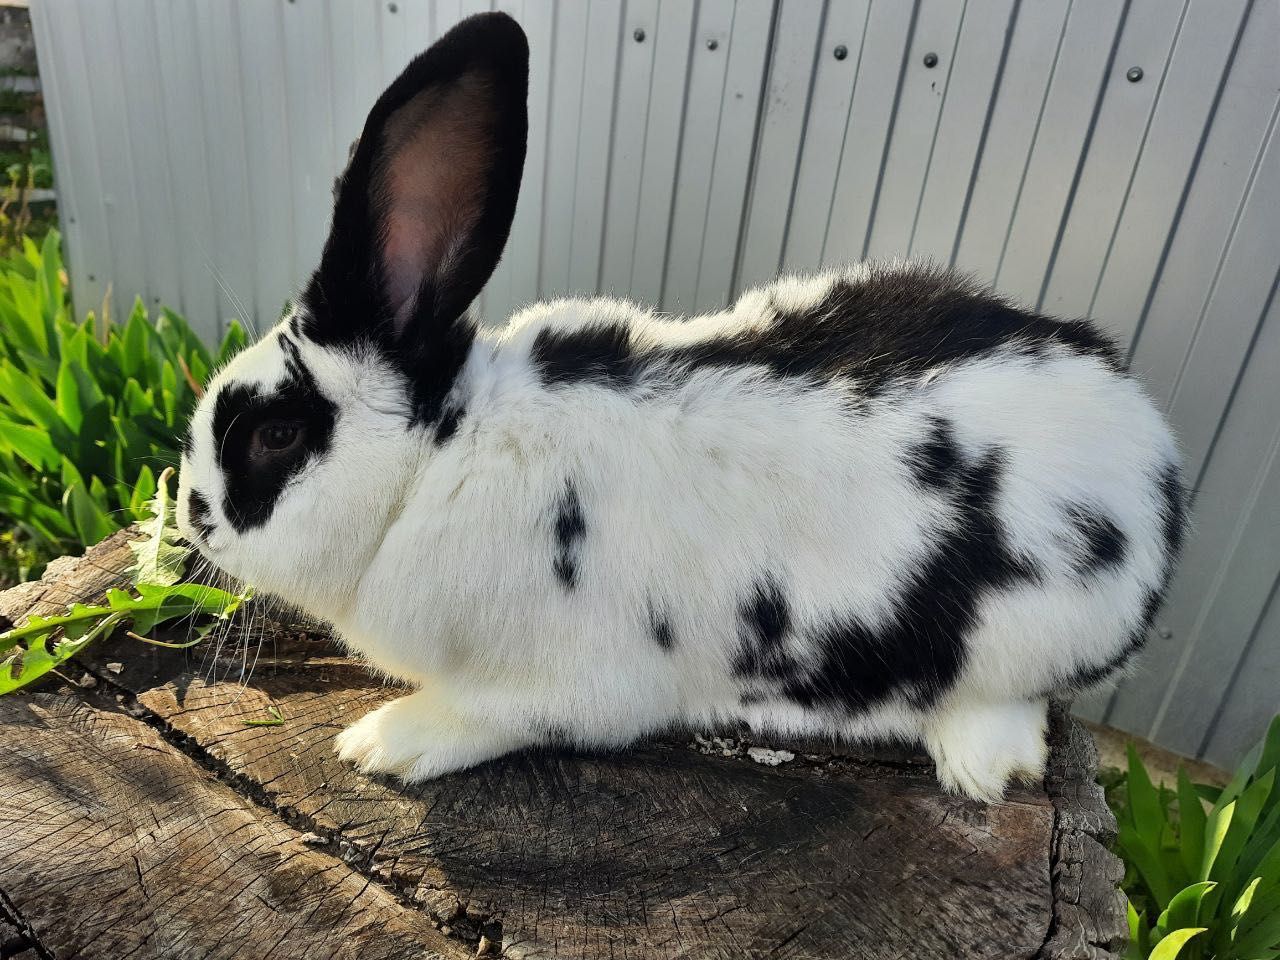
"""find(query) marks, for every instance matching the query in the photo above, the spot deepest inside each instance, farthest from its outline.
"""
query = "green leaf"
(1144, 800)
(1171, 946)
(92, 522)
(1192, 821)
(1184, 908)
(30, 443)
(158, 557)
(277, 719)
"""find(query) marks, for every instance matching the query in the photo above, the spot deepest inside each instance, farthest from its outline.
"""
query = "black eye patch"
(263, 439)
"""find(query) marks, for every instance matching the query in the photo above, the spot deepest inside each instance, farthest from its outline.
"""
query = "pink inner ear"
(432, 186)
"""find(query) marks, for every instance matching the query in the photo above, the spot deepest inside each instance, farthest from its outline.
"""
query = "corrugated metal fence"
(1102, 157)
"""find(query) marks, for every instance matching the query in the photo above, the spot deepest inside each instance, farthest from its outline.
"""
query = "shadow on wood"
(142, 817)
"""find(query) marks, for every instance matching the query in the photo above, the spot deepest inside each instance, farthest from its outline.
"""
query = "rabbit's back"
(848, 495)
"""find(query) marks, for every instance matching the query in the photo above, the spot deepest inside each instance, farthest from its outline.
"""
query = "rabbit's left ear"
(423, 212)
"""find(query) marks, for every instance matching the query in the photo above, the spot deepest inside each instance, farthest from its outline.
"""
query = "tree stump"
(140, 816)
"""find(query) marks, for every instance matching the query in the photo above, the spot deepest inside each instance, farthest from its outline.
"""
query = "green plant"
(1203, 865)
(42, 644)
(90, 412)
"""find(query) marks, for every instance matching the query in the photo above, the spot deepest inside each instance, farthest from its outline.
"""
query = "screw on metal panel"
(713, 44)
(639, 35)
(930, 60)
(1134, 74)
(392, 7)
(840, 52)
(1165, 633)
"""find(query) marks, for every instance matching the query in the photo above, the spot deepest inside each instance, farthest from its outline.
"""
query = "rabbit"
(875, 502)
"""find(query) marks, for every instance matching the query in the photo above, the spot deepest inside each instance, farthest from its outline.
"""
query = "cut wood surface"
(143, 817)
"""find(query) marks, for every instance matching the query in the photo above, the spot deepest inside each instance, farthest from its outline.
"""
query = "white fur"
(436, 562)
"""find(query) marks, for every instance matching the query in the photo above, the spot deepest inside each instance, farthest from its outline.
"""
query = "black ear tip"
(498, 33)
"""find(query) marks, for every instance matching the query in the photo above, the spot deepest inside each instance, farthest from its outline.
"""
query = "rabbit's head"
(302, 449)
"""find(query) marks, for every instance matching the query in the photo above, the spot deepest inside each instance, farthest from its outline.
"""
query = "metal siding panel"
(1201, 56)
(778, 145)
(64, 82)
(1033, 52)
(149, 163)
(562, 153)
(1254, 696)
(915, 129)
(182, 140)
(268, 141)
(626, 164)
(867, 131)
(1124, 117)
(674, 40)
(735, 138)
(595, 132)
(1232, 149)
(1231, 567)
(515, 282)
(1056, 155)
(235, 219)
(1240, 292)
(953, 155)
(824, 134)
(1185, 638)
(308, 80)
(108, 121)
(703, 106)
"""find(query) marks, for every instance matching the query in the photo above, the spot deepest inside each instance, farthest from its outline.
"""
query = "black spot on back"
(599, 353)
(1101, 542)
(936, 461)
(920, 650)
(569, 530)
(252, 488)
(890, 324)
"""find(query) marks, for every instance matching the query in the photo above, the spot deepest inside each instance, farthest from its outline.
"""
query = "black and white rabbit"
(878, 501)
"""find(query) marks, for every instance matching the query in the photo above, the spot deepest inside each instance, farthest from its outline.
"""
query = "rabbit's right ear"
(423, 212)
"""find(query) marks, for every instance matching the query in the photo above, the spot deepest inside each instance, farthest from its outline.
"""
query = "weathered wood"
(668, 850)
(113, 844)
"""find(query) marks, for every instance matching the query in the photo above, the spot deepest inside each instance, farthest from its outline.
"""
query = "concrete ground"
(1161, 764)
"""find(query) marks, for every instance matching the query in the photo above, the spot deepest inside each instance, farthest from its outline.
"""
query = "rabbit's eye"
(277, 435)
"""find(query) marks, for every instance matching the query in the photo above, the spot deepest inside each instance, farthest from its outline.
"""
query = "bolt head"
(713, 44)
(639, 35)
(1134, 74)
(392, 7)
(840, 52)
(931, 60)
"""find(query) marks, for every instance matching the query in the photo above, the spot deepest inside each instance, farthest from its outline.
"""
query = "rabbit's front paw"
(978, 748)
(417, 738)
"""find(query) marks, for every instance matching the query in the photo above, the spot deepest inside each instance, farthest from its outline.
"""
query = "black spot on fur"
(448, 424)
(569, 530)
(254, 484)
(599, 353)
(1172, 501)
(764, 619)
(1173, 509)
(936, 461)
(920, 651)
(660, 628)
(1102, 543)
(894, 323)
(198, 512)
